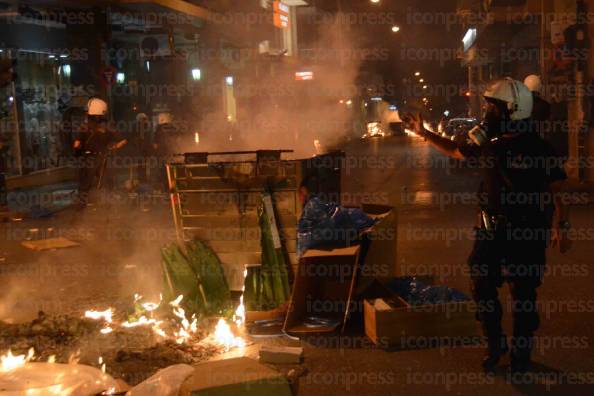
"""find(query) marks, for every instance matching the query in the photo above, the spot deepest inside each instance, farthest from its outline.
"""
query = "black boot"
(521, 354)
(497, 347)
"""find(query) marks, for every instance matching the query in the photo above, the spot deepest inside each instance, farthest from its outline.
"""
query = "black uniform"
(96, 140)
(517, 202)
(137, 150)
(541, 115)
(167, 140)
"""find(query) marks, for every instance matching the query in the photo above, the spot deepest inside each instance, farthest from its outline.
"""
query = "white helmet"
(141, 117)
(517, 96)
(96, 107)
(533, 83)
(164, 118)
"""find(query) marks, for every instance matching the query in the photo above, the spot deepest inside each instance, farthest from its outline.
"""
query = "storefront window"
(39, 91)
(9, 149)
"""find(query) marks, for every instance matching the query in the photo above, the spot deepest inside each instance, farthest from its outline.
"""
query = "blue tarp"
(418, 293)
(325, 224)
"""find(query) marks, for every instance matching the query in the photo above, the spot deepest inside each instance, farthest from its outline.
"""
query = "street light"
(375, 1)
(422, 80)
(395, 29)
(417, 74)
(425, 87)
(66, 70)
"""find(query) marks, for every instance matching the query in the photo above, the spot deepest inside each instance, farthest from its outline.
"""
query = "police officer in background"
(519, 207)
(165, 144)
(139, 145)
(93, 145)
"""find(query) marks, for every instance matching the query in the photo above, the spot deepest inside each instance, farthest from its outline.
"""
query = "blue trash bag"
(326, 224)
(417, 293)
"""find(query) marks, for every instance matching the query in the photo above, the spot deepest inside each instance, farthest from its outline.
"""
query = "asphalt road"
(120, 249)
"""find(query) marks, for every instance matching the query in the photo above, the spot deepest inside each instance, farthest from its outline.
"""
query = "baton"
(102, 170)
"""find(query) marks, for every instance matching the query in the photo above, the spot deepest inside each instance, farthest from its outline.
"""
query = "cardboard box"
(326, 281)
(380, 260)
(323, 288)
(235, 377)
(408, 327)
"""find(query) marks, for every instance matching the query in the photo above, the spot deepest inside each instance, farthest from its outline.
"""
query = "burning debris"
(132, 349)
(224, 336)
(19, 374)
(10, 362)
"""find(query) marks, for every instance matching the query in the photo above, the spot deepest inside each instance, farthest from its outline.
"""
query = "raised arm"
(443, 145)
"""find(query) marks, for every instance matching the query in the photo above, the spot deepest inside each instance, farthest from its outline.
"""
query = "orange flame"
(11, 362)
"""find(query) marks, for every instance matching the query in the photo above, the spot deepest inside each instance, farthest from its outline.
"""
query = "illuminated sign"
(304, 76)
(469, 38)
(280, 7)
(281, 14)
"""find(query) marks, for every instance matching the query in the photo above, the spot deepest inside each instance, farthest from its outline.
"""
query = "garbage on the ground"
(239, 376)
(325, 224)
(49, 243)
(415, 314)
(196, 274)
(316, 321)
(266, 328)
(42, 379)
(281, 354)
(267, 286)
(165, 382)
(417, 292)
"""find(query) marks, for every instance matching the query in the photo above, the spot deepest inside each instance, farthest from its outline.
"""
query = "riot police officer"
(520, 214)
(95, 142)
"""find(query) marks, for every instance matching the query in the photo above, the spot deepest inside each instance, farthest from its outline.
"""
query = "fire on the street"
(225, 337)
(9, 362)
(186, 328)
(106, 315)
(239, 316)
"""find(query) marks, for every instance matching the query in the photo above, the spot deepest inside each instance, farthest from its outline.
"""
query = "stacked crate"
(215, 198)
